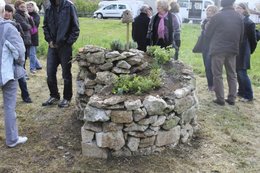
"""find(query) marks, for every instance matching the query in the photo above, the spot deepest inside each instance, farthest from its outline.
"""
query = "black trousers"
(62, 56)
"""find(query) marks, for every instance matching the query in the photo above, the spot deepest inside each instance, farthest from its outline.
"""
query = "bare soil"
(228, 139)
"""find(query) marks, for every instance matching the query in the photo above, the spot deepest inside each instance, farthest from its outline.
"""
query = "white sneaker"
(21, 140)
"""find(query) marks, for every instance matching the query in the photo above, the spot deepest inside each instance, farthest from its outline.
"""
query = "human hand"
(51, 45)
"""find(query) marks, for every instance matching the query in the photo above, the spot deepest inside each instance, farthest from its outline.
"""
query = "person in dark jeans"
(210, 11)
(8, 15)
(61, 30)
(247, 47)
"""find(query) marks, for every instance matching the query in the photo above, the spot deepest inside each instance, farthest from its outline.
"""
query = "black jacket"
(26, 23)
(60, 23)
(172, 26)
(35, 37)
(247, 46)
(139, 30)
(224, 32)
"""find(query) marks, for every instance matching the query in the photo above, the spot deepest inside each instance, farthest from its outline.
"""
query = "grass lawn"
(103, 32)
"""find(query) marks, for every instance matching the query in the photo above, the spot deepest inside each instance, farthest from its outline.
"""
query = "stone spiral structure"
(127, 125)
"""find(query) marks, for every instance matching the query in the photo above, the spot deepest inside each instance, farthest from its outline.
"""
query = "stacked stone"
(120, 125)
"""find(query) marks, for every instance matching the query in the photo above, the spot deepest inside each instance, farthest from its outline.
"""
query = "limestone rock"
(118, 116)
(93, 151)
(94, 114)
(146, 142)
(133, 105)
(135, 127)
(113, 54)
(135, 60)
(86, 135)
(128, 54)
(96, 101)
(133, 143)
(113, 140)
(113, 100)
(169, 124)
(106, 77)
(123, 64)
(80, 87)
(107, 66)
(168, 137)
(93, 126)
(139, 114)
(159, 121)
(184, 104)
(120, 70)
(96, 58)
(154, 105)
(149, 120)
(111, 126)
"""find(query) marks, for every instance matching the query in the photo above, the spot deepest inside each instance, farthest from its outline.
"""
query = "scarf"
(161, 26)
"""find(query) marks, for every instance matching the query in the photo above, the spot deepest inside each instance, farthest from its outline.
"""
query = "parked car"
(113, 10)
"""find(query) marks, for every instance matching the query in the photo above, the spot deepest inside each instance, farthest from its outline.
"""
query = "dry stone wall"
(125, 125)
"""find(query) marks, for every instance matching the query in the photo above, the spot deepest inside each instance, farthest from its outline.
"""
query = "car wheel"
(99, 16)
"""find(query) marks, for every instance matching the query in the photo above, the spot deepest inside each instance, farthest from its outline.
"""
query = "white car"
(114, 10)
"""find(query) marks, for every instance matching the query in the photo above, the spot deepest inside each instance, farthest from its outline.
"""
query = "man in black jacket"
(225, 32)
(140, 27)
(61, 30)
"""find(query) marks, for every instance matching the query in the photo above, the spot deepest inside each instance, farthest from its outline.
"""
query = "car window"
(121, 7)
(111, 7)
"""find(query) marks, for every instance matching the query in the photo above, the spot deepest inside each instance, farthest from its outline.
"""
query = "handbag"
(34, 30)
(199, 45)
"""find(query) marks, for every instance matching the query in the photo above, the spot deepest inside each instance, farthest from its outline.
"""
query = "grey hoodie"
(12, 52)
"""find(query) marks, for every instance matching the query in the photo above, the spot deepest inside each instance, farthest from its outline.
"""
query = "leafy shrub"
(132, 45)
(117, 45)
(161, 55)
(138, 84)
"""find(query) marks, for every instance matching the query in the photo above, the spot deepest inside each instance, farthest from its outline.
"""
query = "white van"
(113, 10)
(194, 10)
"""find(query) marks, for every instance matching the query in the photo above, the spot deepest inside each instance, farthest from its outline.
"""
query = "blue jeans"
(207, 65)
(34, 62)
(62, 56)
(244, 84)
(9, 98)
(23, 86)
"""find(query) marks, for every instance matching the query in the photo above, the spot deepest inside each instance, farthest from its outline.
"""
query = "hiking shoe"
(221, 103)
(64, 103)
(50, 101)
(245, 100)
(27, 100)
(21, 140)
(230, 102)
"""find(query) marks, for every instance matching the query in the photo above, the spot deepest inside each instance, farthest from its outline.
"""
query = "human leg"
(9, 97)
(24, 90)
(230, 66)
(32, 56)
(208, 69)
(217, 69)
(65, 54)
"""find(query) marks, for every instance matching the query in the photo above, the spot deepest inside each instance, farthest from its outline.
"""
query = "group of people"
(162, 29)
(229, 38)
(19, 39)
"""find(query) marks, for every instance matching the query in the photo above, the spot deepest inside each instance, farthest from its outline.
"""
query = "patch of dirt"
(228, 139)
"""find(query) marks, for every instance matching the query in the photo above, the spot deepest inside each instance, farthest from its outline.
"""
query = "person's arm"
(36, 20)
(16, 45)
(46, 30)
(74, 26)
(252, 37)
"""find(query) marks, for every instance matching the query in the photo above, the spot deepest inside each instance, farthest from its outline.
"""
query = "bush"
(86, 7)
(138, 84)
(117, 45)
(161, 55)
